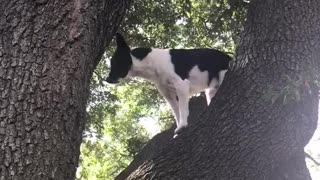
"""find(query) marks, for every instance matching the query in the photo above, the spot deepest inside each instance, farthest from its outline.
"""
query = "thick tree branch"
(158, 142)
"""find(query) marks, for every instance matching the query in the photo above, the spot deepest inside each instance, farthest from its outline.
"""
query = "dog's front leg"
(172, 101)
(182, 88)
(171, 97)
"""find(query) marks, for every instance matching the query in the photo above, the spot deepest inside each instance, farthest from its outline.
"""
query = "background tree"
(48, 51)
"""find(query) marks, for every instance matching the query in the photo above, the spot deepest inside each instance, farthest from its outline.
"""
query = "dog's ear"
(120, 41)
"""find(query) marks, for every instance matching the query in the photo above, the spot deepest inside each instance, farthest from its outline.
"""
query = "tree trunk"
(48, 50)
(264, 113)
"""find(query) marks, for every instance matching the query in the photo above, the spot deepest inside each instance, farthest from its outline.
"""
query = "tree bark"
(266, 110)
(48, 51)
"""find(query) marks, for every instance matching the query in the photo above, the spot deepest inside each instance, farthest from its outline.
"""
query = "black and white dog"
(177, 73)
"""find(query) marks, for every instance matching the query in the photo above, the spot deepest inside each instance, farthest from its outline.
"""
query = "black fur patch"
(210, 60)
(140, 53)
(121, 63)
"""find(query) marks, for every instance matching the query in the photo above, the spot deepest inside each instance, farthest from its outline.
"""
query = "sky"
(313, 148)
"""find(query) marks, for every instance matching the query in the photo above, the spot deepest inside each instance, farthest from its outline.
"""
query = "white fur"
(158, 68)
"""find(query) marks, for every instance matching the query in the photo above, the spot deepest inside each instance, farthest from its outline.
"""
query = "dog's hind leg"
(211, 90)
(214, 86)
(221, 76)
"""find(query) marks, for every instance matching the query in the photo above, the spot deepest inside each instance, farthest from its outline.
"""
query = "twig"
(100, 78)
(312, 159)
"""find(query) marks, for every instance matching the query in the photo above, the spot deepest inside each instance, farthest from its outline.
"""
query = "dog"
(177, 73)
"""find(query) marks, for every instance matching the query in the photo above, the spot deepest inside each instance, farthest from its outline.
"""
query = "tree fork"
(266, 110)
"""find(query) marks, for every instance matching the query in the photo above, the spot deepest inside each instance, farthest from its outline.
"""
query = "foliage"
(114, 133)
(181, 23)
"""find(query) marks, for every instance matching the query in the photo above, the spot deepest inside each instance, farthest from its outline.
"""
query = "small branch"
(166, 118)
(101, 79)
(312, 159)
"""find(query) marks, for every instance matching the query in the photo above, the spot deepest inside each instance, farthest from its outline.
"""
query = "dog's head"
(121, 61)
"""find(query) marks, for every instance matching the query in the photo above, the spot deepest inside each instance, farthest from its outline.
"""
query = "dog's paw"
(178, 130)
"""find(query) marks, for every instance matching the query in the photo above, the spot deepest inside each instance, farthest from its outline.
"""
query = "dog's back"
(210, 60)
(204, 68)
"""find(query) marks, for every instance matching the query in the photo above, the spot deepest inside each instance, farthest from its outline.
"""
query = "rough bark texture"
(48, 50)
(264, 113)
